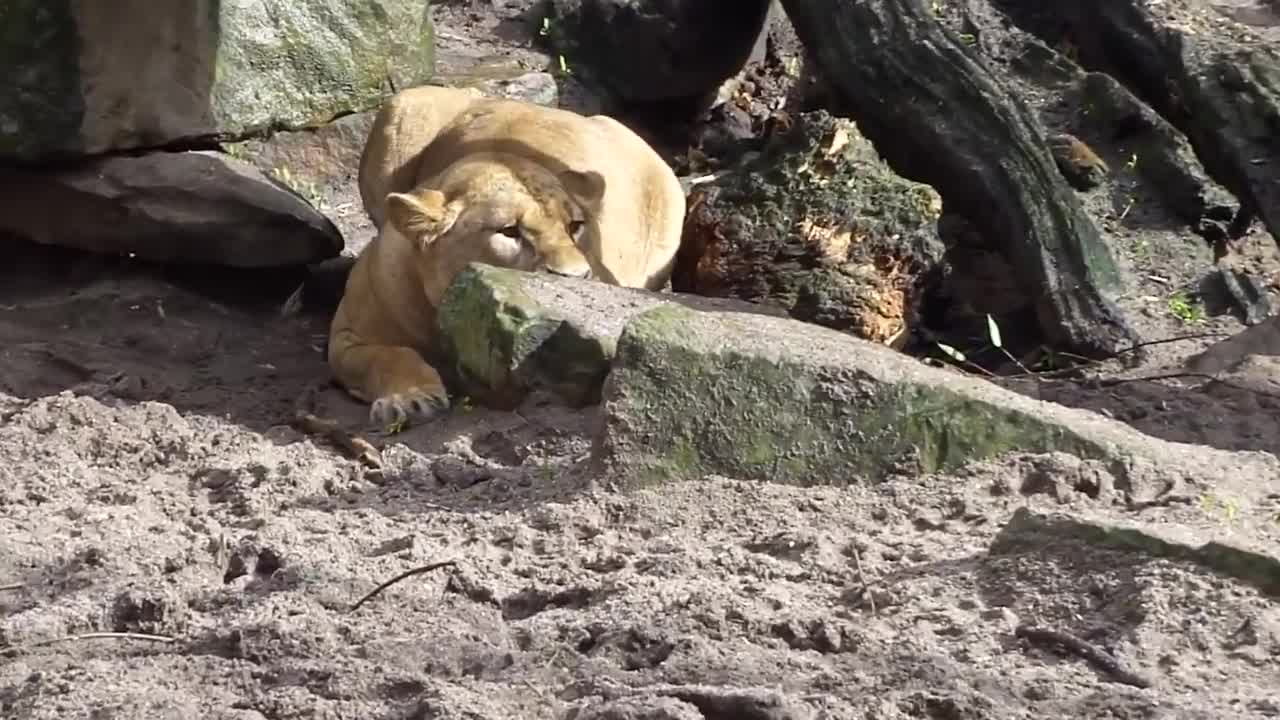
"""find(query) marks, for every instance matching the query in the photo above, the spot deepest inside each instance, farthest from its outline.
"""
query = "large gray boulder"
(692, 386)
(1230, 353)
(507, 333)
(755, 397)
(88, 77)
(191, 207)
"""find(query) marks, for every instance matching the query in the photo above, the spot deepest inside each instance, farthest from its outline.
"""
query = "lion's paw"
(412, 406)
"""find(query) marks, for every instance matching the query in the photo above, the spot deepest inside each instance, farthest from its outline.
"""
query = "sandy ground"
(150, 484)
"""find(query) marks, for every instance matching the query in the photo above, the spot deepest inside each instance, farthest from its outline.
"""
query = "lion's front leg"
(399, 383)
(401, 386)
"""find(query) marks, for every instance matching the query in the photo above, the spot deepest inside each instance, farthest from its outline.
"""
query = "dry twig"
(406, 574)
(1089, 652)
(355, 446)
(1112, 382)
(91, 636)
(866, 587)
(1086, 362)
(12, 586)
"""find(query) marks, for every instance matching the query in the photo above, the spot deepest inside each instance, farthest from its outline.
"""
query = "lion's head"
(501, 210)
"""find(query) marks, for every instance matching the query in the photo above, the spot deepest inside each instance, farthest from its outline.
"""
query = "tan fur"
(442, 172)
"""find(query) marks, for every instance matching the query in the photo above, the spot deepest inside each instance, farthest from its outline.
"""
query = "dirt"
(151, 483)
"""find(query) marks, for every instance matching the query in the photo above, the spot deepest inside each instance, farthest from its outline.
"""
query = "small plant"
(1142, 249)
(545, 31)
(1185, 309)
(1127, 207)
(994, 337)
(236, 150)
(952, 353)
(309, 191)
(1213, 505)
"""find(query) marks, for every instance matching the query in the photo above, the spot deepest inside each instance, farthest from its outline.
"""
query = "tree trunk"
(938, 115)
(1220, 89)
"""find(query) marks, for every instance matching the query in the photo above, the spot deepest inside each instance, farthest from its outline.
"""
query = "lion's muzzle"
(584, 274)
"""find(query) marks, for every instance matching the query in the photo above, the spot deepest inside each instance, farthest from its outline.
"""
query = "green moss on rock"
(505, 332)
(294, 65)
(818, 224)
(753, 397)
(245, 69)
(503, 342)
(1027, 530)
(683, 405)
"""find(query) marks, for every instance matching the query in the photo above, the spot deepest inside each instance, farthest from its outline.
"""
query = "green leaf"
(954, 353)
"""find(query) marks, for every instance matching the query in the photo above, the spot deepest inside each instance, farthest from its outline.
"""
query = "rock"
(730, 702)
(1247, 555)
(329, 152)
(766, 398)
(508, 332)
(656, 50)
(538, 88)
(87, 77)
(192, 207)
(1258, 373)
(640, 708)
(322, 165)
(1227, 354)
(678, 702)
(1237, 289)
(819, 225)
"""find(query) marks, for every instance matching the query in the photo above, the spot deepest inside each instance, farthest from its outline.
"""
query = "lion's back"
(421, 131)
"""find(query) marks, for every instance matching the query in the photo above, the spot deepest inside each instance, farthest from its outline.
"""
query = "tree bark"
(1220, 88)
(938, 115)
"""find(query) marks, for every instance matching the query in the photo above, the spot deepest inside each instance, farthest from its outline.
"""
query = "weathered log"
(938, 115)
(819, 226)
(1164, 156)
(1222, 89)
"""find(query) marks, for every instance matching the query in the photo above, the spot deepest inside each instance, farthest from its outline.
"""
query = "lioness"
(450, 177)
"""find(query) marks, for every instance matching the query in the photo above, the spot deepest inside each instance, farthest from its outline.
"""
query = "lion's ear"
(585, 187)
(421, 216)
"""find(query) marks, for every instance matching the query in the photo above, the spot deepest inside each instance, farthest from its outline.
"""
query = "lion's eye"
(511, 231)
